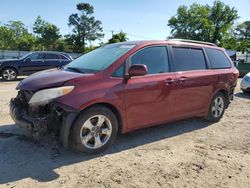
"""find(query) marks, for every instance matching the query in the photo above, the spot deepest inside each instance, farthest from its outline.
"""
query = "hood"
(47, 79)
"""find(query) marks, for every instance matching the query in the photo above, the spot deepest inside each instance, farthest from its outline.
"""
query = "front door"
(32, 64)
(150, 99)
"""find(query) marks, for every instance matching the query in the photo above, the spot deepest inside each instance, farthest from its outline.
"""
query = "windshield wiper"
(75, 69)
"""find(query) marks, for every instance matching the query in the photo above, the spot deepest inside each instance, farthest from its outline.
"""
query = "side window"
(63, 57)
(186, 59)
(36, 56)
(120, 71)
(218, 59)
(155, 58)
(52, 56)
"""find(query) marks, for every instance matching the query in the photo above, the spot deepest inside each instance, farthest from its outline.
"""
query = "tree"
(85, 28)
(47, 33)
(6, 38)
(119, 37)
(203, 22)
(243, 30)
(15, 36)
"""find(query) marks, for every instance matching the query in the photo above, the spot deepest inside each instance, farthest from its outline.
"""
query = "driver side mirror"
(138, 70)
(27, 60)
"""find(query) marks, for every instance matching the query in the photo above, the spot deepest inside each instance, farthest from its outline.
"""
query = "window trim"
(207, 62)
(128, 60)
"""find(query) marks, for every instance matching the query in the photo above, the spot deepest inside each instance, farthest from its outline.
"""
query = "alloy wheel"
(218, 107)
(9, 74)
(96, 131)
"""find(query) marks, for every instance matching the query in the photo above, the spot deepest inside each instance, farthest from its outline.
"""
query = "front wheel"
(217, 108)
(9, 74)
(94, 131)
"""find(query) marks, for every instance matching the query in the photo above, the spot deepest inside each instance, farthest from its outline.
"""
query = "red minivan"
(123, 87)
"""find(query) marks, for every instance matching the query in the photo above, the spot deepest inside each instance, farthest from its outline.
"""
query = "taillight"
(236, 73)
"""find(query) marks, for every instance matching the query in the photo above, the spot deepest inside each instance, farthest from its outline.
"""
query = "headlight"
(46, 95)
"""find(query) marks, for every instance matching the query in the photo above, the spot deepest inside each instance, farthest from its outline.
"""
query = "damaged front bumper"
(52, 117)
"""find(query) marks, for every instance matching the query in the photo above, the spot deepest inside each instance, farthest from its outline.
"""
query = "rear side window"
(218, 59)
(186, 59)
(52, 56)
(155, 58)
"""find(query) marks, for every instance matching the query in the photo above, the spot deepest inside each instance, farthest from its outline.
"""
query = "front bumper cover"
(39, 124)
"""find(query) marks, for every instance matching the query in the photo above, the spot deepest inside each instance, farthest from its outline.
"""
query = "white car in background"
(245, 83)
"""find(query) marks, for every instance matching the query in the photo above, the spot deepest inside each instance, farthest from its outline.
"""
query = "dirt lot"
(190, 153)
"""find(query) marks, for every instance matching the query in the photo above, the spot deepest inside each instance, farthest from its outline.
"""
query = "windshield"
(99, 59)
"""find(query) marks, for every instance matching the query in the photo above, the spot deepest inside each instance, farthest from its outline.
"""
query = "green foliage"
(15, 36)
(47, 34)
(243, 30)
(85, 28)
(203, 22)
(119, 37)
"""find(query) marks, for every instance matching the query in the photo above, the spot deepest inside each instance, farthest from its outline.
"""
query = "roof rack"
(193, 41)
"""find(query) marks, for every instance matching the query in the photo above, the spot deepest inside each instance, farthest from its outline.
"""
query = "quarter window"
(218, 59)
(119, 72)
(187, 59)
(155, 58)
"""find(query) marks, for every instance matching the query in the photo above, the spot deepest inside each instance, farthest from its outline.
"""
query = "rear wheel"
(217, 108)
(94, 131)
(9, 74)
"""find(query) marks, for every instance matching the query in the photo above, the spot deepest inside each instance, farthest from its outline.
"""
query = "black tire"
(216, 116)
(78, 129)
(244, 91)
(9, 74)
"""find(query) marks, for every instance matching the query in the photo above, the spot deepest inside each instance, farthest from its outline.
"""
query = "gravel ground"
(190, 153)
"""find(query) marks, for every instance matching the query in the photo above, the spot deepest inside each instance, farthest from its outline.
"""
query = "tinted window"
(52, 56)
(35, 56)
(63, 57)
(155, 58)
(186, 59)
(218, 59)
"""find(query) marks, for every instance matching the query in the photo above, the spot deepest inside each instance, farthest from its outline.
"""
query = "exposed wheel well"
(114, 110)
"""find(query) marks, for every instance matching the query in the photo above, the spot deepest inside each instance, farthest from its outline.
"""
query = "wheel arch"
(70, 118)
(113, 109)
(9, 66)
(225, 93)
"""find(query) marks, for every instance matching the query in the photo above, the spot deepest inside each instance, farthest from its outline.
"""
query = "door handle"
(182, 79)
(169, 81)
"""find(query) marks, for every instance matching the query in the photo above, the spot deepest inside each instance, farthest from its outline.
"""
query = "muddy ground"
(190, 153)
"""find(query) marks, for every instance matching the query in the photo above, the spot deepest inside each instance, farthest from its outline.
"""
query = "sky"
(140, 19)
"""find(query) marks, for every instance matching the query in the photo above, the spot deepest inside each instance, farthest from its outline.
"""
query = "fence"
(243, 57)
(11, 54)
